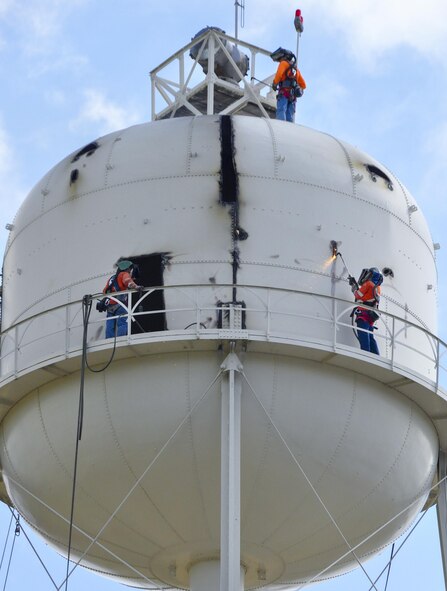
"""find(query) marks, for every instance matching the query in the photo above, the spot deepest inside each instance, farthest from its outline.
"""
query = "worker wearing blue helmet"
(367, 291)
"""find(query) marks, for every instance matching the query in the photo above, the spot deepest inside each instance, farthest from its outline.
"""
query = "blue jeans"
(116, 322)
(285, 109)
(366, 339)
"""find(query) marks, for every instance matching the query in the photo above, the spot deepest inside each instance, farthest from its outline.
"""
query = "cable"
(140, 478)
(34, 550)
(298, 464)
(389, 567)
(393, 556)
(86, 311)
(6, 541)
(17, 533)
(194, 324)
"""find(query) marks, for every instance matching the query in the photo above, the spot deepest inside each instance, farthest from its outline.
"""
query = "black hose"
(86, 311)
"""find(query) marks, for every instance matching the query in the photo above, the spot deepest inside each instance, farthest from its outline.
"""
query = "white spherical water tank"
(217, 209)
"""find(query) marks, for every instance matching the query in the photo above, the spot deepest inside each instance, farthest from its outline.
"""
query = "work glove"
(352, 282)
(140, 289)
(274, 87)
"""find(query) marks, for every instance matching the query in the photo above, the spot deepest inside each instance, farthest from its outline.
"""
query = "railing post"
(129, 316)
(438, 365)
(16, 349)
(268, 314)
(67, 330)
(197, 311)
(334, 318)
(393, 340)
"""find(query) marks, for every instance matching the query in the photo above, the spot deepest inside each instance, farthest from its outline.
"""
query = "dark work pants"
(366, 339)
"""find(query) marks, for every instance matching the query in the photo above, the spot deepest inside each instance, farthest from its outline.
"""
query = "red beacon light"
(298, 22)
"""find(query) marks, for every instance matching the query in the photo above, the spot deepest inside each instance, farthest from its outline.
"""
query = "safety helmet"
(281, 54)
(376, 276)
(124, 265)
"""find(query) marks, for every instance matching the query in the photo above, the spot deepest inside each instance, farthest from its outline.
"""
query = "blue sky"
(376, 72)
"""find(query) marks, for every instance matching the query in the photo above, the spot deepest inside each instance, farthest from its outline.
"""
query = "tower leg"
(230, 527)
(441, 508)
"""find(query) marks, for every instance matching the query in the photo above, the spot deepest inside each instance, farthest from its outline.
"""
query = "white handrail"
(57, 332)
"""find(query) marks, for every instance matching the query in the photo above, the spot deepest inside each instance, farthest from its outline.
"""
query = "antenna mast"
(239, 4)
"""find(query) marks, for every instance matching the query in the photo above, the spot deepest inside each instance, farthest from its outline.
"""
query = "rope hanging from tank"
(314, 490)
(86, 310)
(86, 306)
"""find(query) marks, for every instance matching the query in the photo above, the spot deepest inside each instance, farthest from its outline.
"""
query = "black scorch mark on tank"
(229, 189)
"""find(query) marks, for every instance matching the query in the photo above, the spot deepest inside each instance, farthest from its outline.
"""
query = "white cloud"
(37, 24)
(5, 155)
(108, 115)
(373, 27)
(53, 63)
(435, 176)
(328, 91)
(11, 190)
(370, 28)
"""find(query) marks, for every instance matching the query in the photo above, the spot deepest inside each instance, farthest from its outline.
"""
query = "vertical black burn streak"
(229, 182)
(229, 190)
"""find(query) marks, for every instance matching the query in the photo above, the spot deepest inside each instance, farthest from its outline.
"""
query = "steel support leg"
(441, 508)
(230, 527)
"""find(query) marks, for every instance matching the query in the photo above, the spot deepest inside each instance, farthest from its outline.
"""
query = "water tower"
(236, 435)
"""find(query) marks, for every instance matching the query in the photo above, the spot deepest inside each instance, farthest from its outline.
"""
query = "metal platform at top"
(180, 88)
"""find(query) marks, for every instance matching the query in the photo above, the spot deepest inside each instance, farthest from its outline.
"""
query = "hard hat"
(376, 276)
(124, 265)
(283, 54)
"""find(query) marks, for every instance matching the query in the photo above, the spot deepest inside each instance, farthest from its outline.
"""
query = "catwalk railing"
(205, 312)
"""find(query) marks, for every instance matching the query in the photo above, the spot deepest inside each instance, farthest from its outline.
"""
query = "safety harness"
(289, 86)
(372, 302)
(112, 285)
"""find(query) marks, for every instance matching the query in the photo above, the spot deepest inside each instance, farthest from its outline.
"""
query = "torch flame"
(328, 261)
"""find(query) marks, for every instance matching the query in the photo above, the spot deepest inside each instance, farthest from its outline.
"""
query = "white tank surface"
(158, 188)
(217, 209)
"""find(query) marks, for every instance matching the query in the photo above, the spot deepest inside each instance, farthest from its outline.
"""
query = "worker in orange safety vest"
(289, 83)
(116, 324)
(368, 292)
